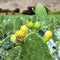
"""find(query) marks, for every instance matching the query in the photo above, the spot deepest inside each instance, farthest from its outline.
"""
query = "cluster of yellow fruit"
(23, 30)
(19, 33)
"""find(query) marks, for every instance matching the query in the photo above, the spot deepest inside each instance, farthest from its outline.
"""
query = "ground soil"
(23, 4)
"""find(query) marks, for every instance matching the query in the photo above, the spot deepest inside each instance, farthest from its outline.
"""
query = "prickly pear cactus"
(35, 48)
(41, 15)
(8, 51)
(13, 54)
(40, 11)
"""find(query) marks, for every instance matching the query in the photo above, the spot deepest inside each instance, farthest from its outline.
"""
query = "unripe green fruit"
(30, 24)
(37, 25)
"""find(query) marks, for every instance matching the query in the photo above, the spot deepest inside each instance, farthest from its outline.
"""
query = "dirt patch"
(23, 4)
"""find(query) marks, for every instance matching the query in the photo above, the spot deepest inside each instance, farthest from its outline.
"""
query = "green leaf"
(40, 11)
(18, 23)
(7, 43)
(35, 48)
(8, 50)
(10, 54)
(15, 53)
(9, 27)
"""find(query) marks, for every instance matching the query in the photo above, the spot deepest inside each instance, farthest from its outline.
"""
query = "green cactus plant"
(18, 22)
(35, 48)
(8, 50)
(13, 54)
(40, 11)
(42, 16)
(54, 26)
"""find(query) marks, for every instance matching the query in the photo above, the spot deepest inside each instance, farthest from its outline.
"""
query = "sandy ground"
(23, 4)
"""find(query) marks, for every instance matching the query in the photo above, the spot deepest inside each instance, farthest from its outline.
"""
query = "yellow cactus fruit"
(47, 35)
(24, 28)
(13, 38)
(19, 33)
